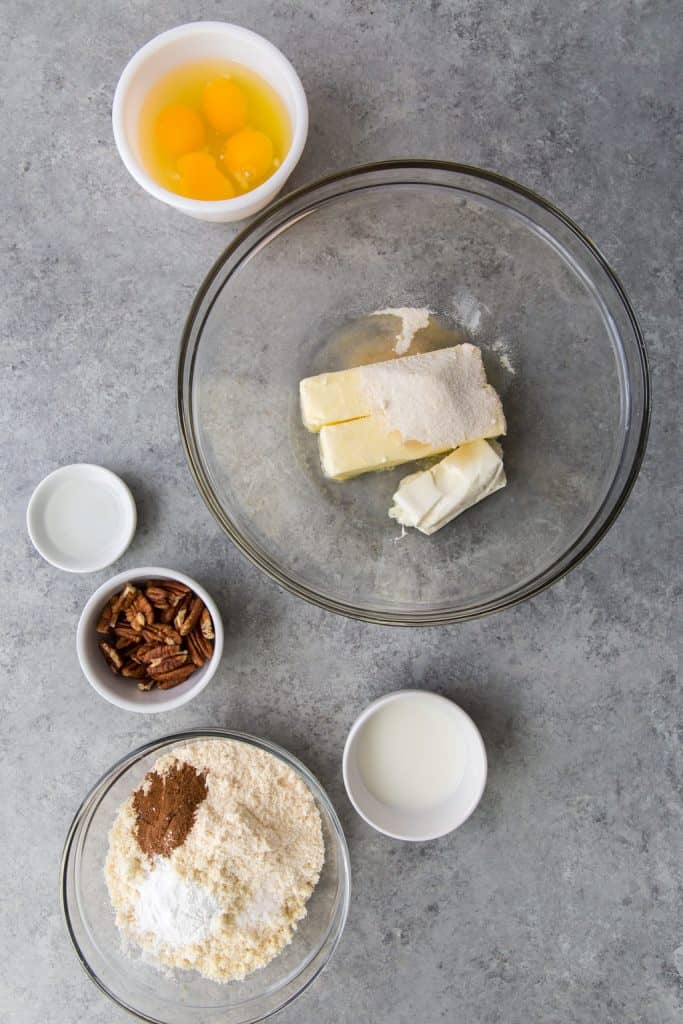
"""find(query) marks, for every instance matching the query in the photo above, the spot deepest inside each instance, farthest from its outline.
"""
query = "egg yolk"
(225, 106)
(180, 129)
(248, 155)
(201, 179)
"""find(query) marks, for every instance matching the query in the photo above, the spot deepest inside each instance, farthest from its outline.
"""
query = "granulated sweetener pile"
(455, 400)
(212, 860)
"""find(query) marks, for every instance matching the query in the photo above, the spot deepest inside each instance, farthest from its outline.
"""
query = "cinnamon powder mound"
(165, 807)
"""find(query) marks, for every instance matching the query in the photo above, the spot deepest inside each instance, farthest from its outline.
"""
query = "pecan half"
(123, 644)
(204, 646)
(140, 613)
(125, 637)
(198, 658)
(157, 596)
(192, 618)
(147, 653)
(131, 670)
(172, 586)
(112, 657)
(169, 679)
(161, 667)
(181, 611)
(107, 619)
(125, 599)
(161, 634)
(206, 625)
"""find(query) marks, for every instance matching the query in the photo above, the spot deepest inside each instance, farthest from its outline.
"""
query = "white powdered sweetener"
(175, 911)
(412, 321)
(440, 398)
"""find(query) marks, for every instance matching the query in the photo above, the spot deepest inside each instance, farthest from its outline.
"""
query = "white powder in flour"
(174, 910)
(263, 909)
(440, 398)
(412, 321)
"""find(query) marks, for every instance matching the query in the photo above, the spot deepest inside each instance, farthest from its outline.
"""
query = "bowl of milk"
(414, 765)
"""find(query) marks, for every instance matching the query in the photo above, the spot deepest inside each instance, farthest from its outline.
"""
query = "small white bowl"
(419, 826)
(124, 692)
(81, 518)
(207, 40)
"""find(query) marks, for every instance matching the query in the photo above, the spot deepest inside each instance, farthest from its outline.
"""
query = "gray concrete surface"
(560, 899)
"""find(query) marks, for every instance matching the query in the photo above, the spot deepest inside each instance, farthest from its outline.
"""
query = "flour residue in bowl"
(467, 312)
(412, 320)
(502, 350)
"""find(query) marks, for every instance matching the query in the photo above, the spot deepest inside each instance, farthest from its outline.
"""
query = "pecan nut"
(204, 646)
(161, 634)
(171, 586)
(192, 618)
(165, 682)
(131, 670)
(160, 667)
(124, 600)
(107, 619)
(112, 657)
(206, 625)
(198, 658)
(147, 653)
(157, 595)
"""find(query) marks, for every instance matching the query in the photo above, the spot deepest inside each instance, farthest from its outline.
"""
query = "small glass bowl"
(500, 267)
(185, 997)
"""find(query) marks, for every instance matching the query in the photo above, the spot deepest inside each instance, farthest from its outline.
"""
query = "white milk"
(409, 754)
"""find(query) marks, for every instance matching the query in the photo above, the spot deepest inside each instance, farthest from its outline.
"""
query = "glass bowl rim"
(609, 508)
(92, 800)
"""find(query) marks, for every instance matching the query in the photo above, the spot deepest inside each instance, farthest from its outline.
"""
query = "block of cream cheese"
(441, 398)
(364, 445)
(430, 499)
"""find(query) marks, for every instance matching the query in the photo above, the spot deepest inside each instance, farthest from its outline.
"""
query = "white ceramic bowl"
(124, 692)
(81, 517)
(207, 40)
(445, 816)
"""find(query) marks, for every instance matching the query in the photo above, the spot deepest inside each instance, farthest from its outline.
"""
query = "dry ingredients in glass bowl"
(212, 860)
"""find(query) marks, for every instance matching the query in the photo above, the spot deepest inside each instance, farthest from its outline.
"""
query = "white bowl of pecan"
(149, 639)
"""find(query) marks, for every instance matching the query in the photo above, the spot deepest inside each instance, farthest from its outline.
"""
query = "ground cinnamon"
(165, 807)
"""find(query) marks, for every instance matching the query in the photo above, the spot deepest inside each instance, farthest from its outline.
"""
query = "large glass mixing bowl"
(499, 266)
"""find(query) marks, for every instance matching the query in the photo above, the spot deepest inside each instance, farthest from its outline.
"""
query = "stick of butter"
(332, 398)
(364, 445)
(430, 499)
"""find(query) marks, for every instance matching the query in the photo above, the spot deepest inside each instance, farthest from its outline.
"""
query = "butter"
(364, 445)
(430, 499)
(332, 398)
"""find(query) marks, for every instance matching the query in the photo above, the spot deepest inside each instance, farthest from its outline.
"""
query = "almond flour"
(228, 898)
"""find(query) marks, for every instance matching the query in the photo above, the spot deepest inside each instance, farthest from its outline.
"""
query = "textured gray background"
(560, 899)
